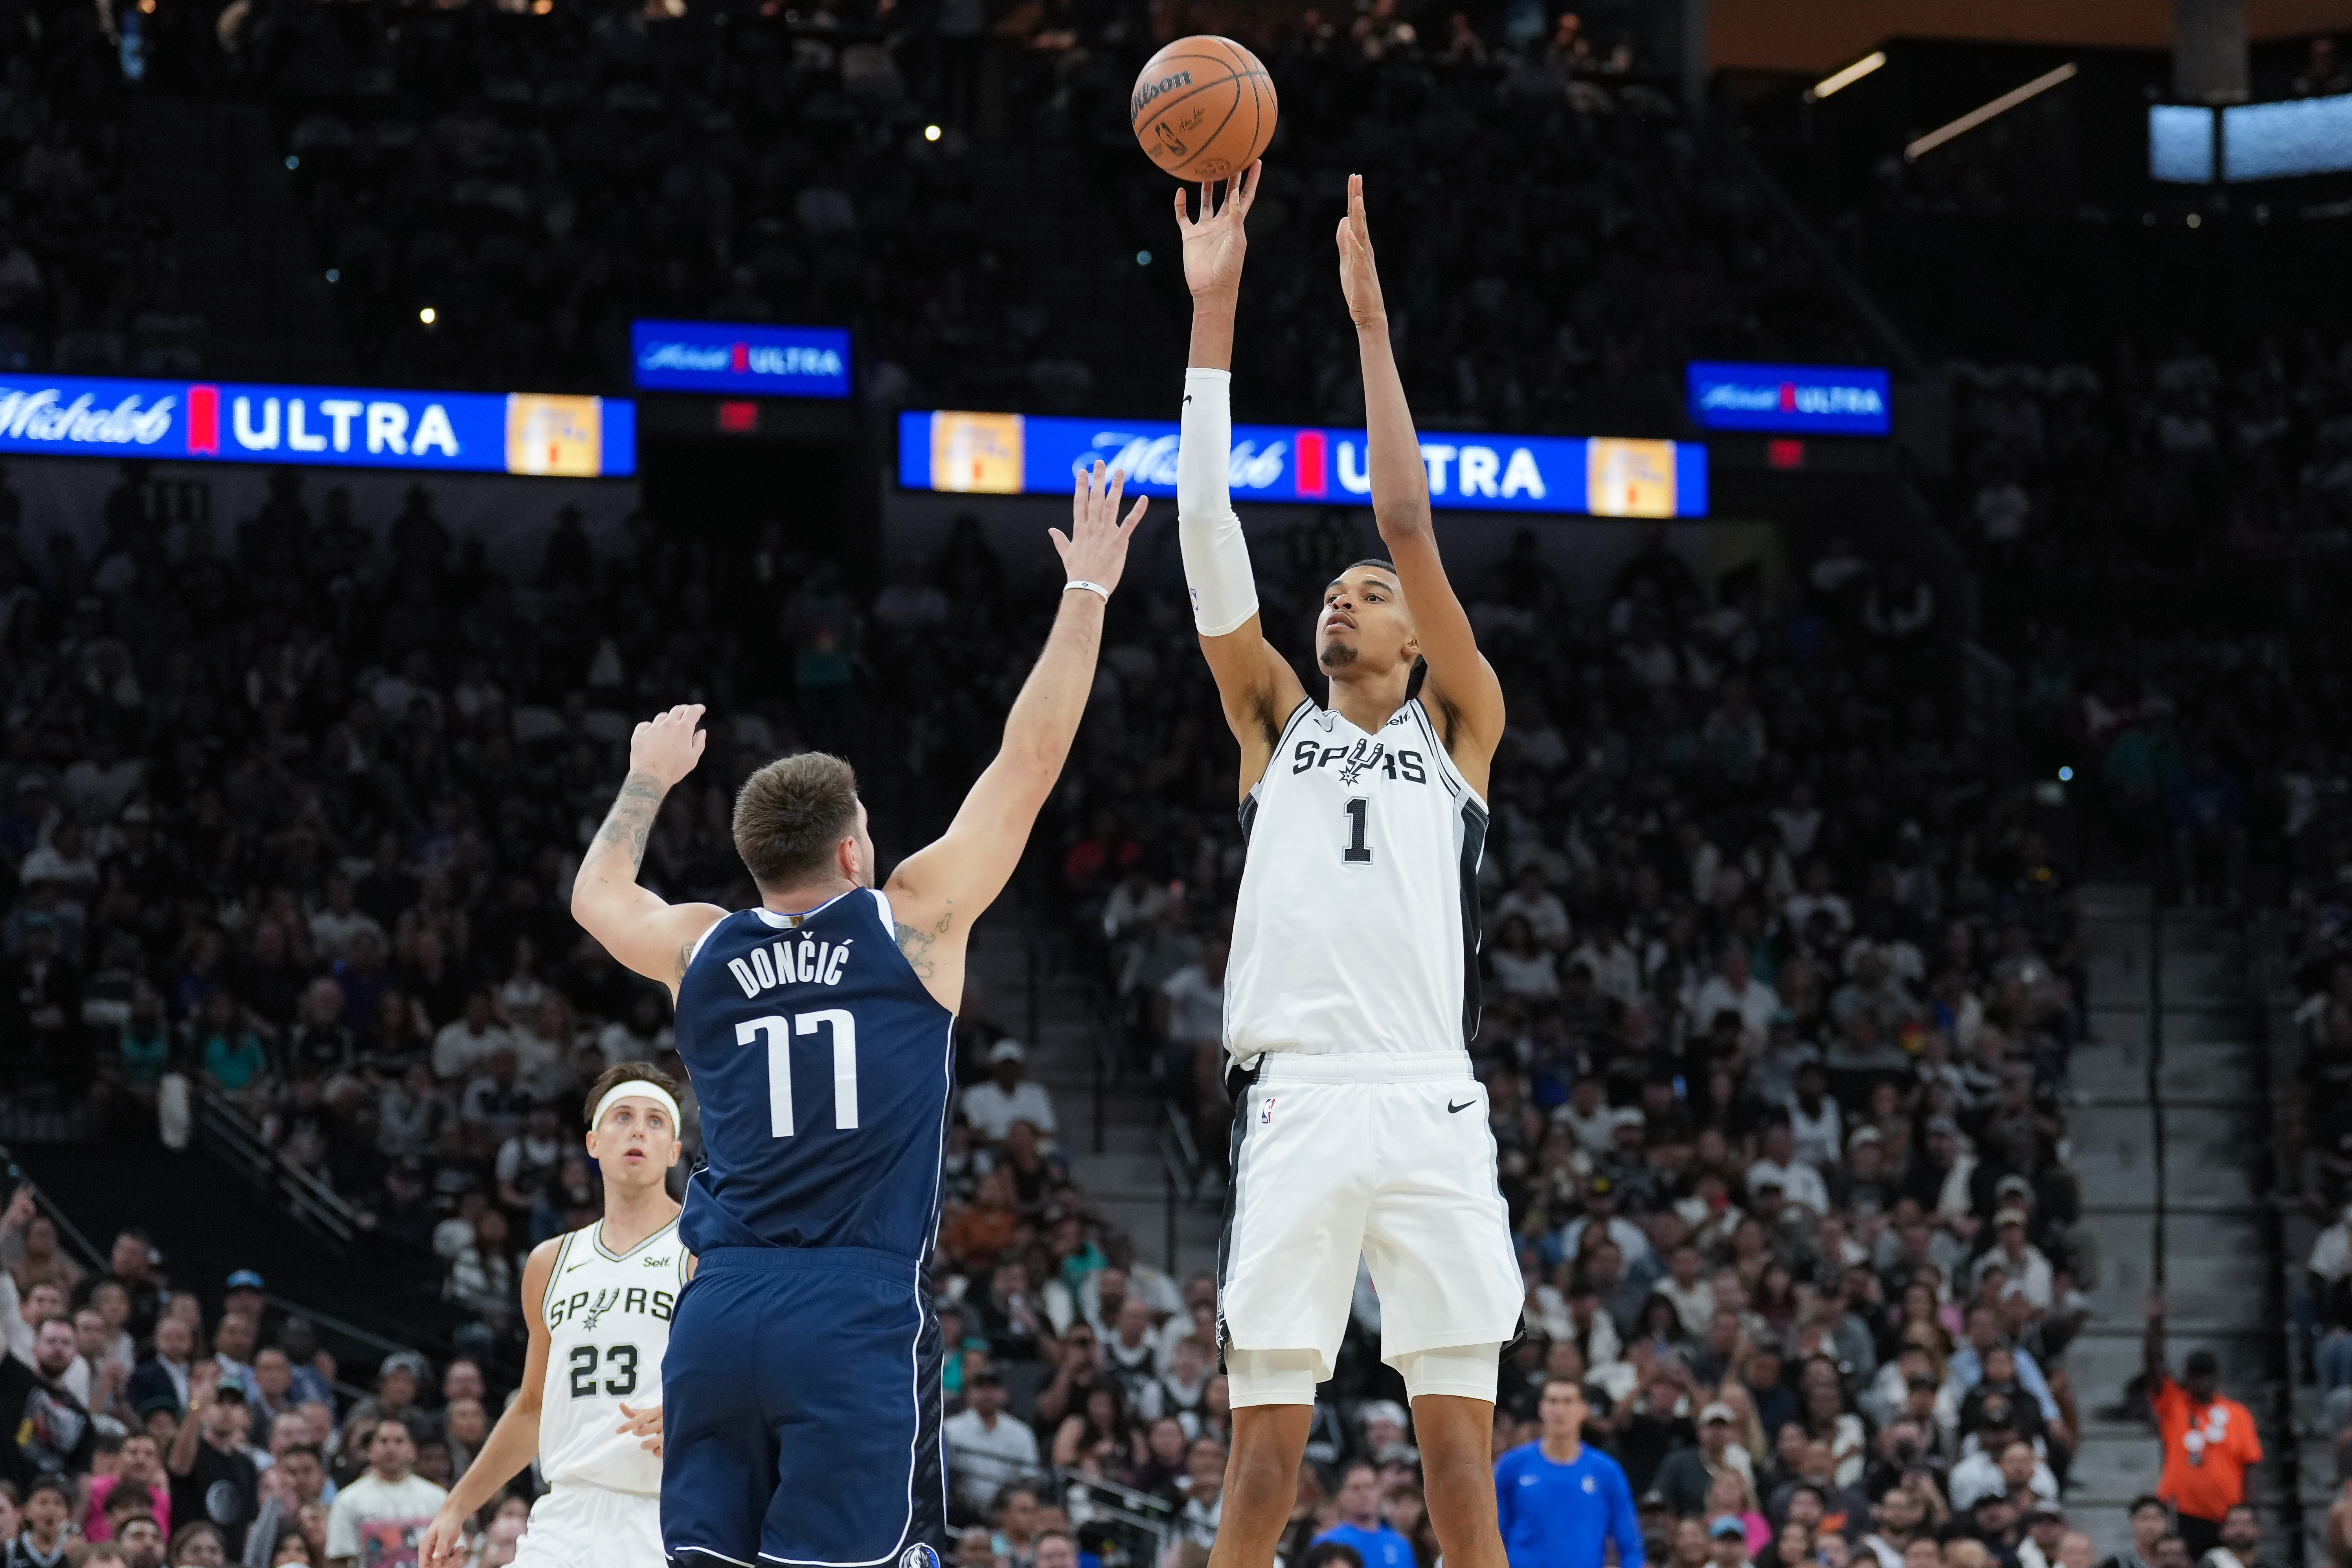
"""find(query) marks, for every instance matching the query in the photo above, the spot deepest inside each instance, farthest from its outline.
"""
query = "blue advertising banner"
(740, 358)
(1791, 399)
(1030, 454)
(330, 427)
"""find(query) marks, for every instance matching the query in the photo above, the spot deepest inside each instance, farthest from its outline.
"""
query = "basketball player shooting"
(1353, 986)
(801, 1387)
(599, 1302)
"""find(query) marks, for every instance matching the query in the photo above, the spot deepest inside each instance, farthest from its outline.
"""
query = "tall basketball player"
(802, 1393)
(1353, 985)
(599, 1304)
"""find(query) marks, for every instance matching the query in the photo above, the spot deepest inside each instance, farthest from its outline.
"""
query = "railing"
(2259, 947)
(1128, 1529)
(1181, 1172)
(232, 1138)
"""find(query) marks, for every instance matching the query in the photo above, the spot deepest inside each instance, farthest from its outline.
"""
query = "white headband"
(638, 1089)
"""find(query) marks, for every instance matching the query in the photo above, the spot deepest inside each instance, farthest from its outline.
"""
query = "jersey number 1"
(1357, 852)
(779, 1032)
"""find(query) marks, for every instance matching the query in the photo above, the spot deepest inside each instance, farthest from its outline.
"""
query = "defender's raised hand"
(668, 745)
(1215, 243)
(1095, 550)
(1359, 278)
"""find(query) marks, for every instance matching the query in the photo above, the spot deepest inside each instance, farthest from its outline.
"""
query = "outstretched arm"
(1255, 685)
(2151, 1345)
(635, 927)
(1461, 687)
(513, 1441)
(937, 893)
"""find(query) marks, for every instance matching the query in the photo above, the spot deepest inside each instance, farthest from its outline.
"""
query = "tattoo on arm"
(631, 821)
(684, 957)
(915, 942)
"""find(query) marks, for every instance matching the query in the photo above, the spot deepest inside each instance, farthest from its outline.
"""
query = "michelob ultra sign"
(327, 427)
(1032, 454)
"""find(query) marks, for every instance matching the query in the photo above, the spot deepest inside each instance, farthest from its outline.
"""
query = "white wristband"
(1089, 587)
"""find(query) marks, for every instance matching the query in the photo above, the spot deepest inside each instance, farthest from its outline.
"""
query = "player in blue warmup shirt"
(1558, 1500)
(819, 1030)
(1361, 1526)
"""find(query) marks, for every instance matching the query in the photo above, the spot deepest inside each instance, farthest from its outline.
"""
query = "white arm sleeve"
(1208, 530)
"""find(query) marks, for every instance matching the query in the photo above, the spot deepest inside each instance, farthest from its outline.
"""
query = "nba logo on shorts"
(919, 1555)
(1265, 1117)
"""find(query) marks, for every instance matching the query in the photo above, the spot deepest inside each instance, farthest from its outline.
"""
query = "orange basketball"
(1204, 107)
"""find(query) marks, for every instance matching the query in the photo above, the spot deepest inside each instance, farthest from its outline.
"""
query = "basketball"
(1204, 107)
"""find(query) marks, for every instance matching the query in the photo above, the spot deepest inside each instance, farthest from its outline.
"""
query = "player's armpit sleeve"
(1208, 530)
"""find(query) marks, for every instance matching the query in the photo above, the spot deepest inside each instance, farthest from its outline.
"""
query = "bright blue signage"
(1790, 399)
(740, 358)
(1030, 454)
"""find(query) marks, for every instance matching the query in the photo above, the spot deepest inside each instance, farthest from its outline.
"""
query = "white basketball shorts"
(1386, 1156)
(578, 1526)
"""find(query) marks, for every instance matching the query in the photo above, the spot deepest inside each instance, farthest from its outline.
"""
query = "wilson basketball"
(1204, 107)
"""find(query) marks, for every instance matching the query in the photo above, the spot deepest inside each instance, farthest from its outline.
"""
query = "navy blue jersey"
(823, 1070)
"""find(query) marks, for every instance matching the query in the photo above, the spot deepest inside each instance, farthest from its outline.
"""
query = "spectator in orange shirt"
(2208, 1441)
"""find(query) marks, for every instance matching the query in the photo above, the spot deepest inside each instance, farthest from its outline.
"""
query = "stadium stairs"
(2171, 1138)
(1114, 1130)
(2313, 1441)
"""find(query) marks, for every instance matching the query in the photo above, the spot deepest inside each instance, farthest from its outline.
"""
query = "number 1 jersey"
(1357, 927)
(823, 1070)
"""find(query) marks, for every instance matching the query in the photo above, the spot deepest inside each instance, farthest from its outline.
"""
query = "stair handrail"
(311, 1201)
(71, 1233)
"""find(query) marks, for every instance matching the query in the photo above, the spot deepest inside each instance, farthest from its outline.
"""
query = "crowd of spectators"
(497, 190)
(2161, 546)
(87, 283)
(1561, 239)
(2191, 487)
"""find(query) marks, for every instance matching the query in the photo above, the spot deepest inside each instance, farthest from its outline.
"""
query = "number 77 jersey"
(823, 1070)
(1356, 931)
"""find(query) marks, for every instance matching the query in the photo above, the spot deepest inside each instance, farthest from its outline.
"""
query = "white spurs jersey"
(1357, 927)
(608, 1322)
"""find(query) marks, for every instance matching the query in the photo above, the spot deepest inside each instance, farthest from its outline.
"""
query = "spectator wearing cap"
(213, 1478)
(1600, 1210)
(1559, 1503)
(245, 1291)
(1726, 1542)
(1684, 1478)
(2045, 1528)
(987, 1449)
(397, 1381)
(1005, 1097)
(2018, 1258)
(2210, 1440)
